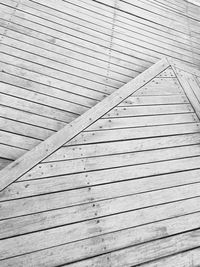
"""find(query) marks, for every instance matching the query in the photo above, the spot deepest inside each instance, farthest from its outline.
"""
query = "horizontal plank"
(70, 49)
(29, 118)
(86, 34)
(23, 112)
(82, 39)
(10, 56)
(114, 123)
(10, 152)
(133, 133)
(12, 75)
(159, 91)
(69, 60)
(14, 139)
(130, 172)
(63, 68)
(82, 249)
(32, 102)
(29, 74)
(128, 19)
(147, 252)
(60, 235)
(75, 17)
(80, 28)
(185, 258)
(102, 149)
(148, 110)
(98, 192)
(154, 100)
(71, 201)
(65, 167)
(28, 130)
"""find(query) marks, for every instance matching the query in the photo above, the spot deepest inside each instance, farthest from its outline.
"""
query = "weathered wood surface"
(57, 60)
(40, 152)
(113, 196)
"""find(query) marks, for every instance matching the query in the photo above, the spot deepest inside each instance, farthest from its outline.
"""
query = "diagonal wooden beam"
(19, 167)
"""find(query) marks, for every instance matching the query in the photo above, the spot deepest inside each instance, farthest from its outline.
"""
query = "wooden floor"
(123, 191)
(60, 58)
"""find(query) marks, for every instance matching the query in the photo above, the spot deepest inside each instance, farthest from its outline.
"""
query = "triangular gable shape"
(16, 169)
(164, 89)
(123, 174)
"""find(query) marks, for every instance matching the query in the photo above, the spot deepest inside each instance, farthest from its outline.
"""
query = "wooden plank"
(8, 56)
(148, 110)
(133, 133)
(131, 19)
(119, 39)
(159, 91)
(69, 49)
(82, 249)
(11, 152)
(189, 258)
(92, 35)
(114, 123)
(83, 39)
(14, 171)
(152, 16)
(130, 172)
(121, 147)
(17, 140)
(146, 252)
(84, 19)
(25, 129)
(64, 167)
(98, 192)
(60, 235)
(155, 100)
(35, 121)
(42, 58)
(36, 103)
(37, 83)
(68, 62)
(46, 80)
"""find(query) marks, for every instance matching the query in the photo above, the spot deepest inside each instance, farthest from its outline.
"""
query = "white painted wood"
(59, 236)
(130, 172)
(50, 145)
(111, 161)
(154, 100)
(148, 110)
(189, 258)
(82, 249)
(114, 123)
(146, 252)
(121, 147)
(98, 192)
(133, 133)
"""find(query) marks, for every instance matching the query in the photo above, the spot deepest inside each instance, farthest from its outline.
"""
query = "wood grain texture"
(14, 171)
(116, 184)
(73, 54)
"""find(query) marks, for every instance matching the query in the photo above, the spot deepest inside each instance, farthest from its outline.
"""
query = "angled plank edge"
(19, 167)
